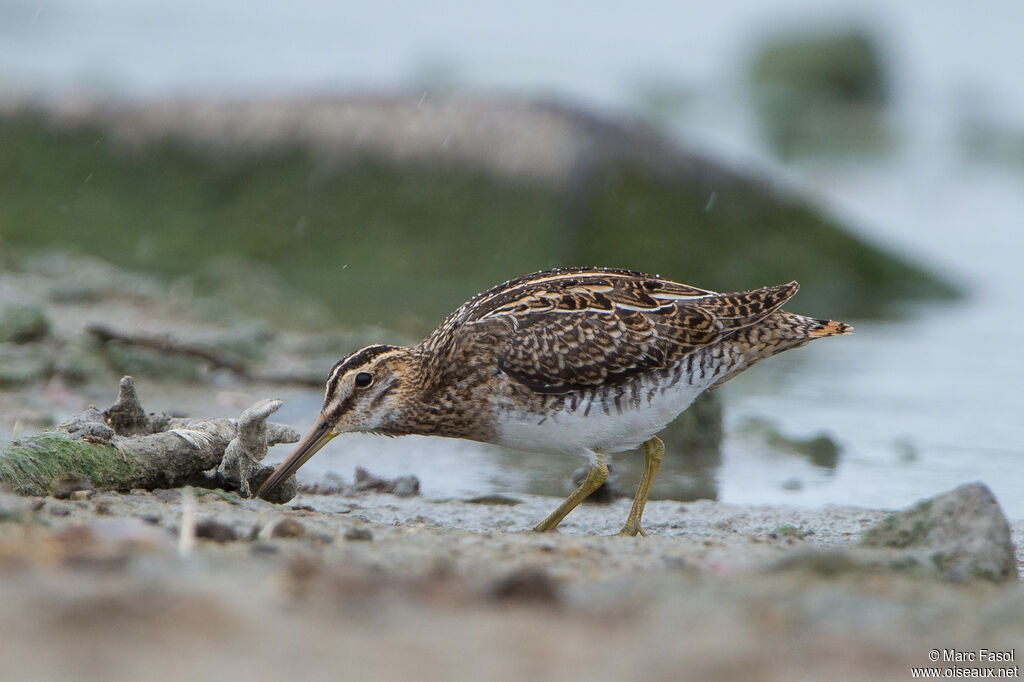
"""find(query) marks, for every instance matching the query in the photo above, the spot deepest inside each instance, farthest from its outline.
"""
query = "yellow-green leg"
(595, 477)
(654, 452)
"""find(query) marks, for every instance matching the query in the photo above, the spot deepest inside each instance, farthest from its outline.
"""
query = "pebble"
(23, 323)
(64, 487)
(288, 528)
(167, 495)
(356, 533)
(526, 585)
(216, 531)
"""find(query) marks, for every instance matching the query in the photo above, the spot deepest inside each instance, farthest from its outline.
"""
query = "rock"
(403, 486)
(526, 585)
(493, 499)
(167, 495)
(288, 528)
(23, 323)
(63, 487)
(822, 92)
(147, 362)
(80, 363)
(790, 531)
(357, 533)
(279, 495)
(962, 534)
(820, 448)
(216, 531)
(24, 364)
(406, 486)
(331, 484)
(14, 508)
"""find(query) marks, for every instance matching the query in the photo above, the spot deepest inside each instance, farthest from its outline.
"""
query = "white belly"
(604, 428)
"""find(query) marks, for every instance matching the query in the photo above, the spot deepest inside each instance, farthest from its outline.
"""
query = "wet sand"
(372, 586)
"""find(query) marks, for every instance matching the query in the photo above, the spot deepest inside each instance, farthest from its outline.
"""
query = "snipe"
(589, 361)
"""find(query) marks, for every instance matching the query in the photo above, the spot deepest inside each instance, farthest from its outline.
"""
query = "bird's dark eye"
(363, 379)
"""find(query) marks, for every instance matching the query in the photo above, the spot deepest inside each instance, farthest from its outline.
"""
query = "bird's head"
(364, 394)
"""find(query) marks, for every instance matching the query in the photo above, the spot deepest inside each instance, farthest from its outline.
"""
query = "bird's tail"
(779, 332)
(820, 328)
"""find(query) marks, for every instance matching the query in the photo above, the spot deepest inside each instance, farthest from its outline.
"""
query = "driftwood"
(123, 448)
(165, 344)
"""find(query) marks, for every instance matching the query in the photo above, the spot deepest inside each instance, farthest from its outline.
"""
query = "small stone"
(20, 365)
(216, 531)
(493, 500)
(407, 486)
(790, 531)
(167, 495)
(60, 511)
(80, 363)
(526, 585)
(81, 495)
(403, 486)
(288, 528)
(23, 323)
(63, 487)
(322, 538)
(356, 533)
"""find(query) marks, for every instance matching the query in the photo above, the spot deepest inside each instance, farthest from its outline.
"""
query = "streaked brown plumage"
(585, 360)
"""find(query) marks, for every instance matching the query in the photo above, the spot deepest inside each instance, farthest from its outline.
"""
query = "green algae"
(401, 246)
(29, 465)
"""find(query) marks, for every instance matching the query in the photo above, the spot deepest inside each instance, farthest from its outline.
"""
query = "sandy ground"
(372, 586)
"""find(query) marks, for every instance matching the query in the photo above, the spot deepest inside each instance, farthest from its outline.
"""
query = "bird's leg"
(654, 451)
(595, 477)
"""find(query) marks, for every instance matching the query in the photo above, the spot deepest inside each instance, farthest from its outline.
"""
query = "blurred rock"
(554, 184)
(822, 92)
(62, 487)
(80, 363)
(24, 364)
(963, 534)
(212, 529)
(23, 323)
(288, 528)
(153, 364)
(528, 585)
(402, 486)
(820, 449)
(358, 533)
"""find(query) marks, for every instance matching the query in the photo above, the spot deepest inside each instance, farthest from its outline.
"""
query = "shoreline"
(378, 586)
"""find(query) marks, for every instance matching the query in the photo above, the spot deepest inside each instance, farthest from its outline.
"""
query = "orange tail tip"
(831, 328)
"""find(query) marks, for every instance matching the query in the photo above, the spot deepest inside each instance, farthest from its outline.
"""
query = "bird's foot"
(631, 529)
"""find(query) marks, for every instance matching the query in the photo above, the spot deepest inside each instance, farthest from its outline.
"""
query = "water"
(919, 404)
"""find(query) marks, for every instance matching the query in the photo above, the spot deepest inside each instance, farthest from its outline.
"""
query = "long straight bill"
(309, 446)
